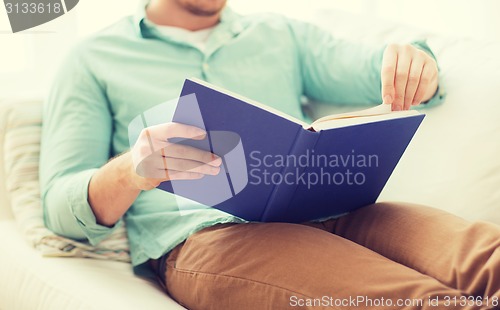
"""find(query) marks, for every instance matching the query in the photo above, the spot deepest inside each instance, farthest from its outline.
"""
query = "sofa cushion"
(30, 281)
(5, 211)
(453, 162)
(21, 121)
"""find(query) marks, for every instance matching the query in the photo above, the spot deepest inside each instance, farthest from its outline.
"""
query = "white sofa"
(27, 279)
(453, 163)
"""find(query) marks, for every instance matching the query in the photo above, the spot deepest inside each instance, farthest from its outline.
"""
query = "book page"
(376, 113)
(379, 113)
(377, 110)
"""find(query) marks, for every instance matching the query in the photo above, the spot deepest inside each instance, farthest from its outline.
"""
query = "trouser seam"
(215, 275)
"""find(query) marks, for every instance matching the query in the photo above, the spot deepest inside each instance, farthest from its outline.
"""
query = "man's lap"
(280, 260)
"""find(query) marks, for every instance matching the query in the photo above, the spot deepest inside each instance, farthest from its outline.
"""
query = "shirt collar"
(229, 19)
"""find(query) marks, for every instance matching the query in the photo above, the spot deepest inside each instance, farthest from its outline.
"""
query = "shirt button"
(206, 66)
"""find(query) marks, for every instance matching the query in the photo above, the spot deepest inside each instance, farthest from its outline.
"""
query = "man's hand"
(152, 160)
(409, 76)
(156, 159)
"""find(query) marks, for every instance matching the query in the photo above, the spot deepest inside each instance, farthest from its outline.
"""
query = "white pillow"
(21, 149)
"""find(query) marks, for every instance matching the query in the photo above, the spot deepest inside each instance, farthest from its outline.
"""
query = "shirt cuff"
(440, 94)
(81, 210)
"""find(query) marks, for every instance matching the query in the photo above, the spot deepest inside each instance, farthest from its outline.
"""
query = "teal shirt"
(130, 67)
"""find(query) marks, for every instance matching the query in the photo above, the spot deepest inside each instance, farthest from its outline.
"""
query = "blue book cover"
(280, 169)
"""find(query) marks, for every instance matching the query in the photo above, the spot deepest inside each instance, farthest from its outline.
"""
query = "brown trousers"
(384, 256)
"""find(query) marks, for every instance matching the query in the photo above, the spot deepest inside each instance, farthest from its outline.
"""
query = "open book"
(278, 168)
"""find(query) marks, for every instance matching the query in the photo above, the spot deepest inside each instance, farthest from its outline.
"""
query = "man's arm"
(339, 71)
(111, 192)
(83, 194)
(76, 140)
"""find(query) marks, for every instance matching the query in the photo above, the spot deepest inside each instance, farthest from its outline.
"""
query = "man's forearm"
(111, 190)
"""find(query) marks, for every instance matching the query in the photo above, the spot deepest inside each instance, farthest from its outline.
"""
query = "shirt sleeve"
(338, 71)
(76, 137)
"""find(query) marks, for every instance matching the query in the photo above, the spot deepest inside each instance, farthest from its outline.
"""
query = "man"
(209, 259)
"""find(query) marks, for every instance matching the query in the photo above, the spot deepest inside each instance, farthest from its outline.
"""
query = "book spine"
(283, 192)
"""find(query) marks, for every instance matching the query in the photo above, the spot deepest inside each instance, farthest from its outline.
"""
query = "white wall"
(28, 59)
(478, 19)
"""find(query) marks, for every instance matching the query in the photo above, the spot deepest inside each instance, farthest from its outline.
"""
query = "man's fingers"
(425, 81)
(177, 150)
(156, 166)
(408, 74)
(183, 175)
(155, 138)
(402, 72)
(170, 175)
(179, 164)
(388, 73)
(177, 130)
(158, 135)
(416, 68)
